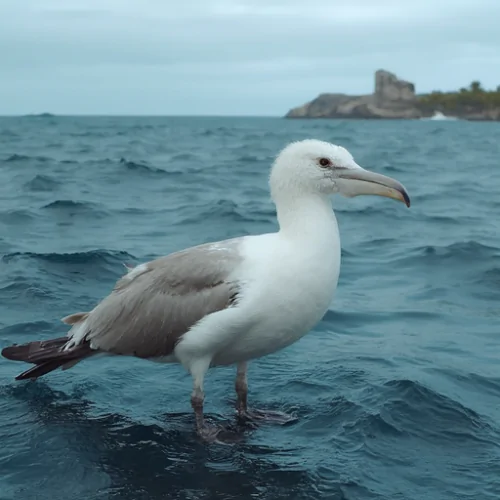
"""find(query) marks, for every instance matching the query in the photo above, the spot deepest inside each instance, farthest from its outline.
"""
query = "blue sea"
(397, 390)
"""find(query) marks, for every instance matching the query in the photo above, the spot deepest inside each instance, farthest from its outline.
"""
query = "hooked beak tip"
(406, 198)
(361, 181)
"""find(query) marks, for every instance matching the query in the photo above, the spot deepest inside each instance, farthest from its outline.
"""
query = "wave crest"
(17, 157)
(91, 257)
(42, 183)
(424, 411)
(141, 167)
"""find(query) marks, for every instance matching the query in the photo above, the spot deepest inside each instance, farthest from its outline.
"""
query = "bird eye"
(325, 162)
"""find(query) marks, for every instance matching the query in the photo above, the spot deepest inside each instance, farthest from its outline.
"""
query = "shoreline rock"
(392, 99)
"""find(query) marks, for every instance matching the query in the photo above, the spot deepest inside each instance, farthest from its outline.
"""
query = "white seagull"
(231, 301)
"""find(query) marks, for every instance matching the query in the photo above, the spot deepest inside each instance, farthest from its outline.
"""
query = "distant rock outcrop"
(40, 115)
(396, 99)
(393, 98)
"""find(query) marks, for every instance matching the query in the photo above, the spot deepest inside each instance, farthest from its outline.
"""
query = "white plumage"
(229, 302)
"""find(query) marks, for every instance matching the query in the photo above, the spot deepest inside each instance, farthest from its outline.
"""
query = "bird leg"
(205, 431)
(254, 416)
(208, 432)
(241, 387)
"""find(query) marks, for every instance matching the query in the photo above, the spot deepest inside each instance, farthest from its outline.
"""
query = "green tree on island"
(472, 99)
(475, 86)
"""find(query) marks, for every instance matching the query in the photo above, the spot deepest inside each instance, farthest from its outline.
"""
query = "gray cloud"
(233, 57)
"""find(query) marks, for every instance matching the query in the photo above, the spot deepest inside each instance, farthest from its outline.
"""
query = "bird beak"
(355, 182)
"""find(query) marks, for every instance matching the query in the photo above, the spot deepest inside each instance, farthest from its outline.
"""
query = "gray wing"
(152, 307)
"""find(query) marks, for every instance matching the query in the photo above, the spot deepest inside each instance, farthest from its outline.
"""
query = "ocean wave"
(463, 249)
(340, 406)
(474, 380)
(185, 157)
(329, 125)
(259, 136)
(376, 424)
(21, 287)
(26, 328)
(17, 157)
(447, 220)
(67, 204)
(8, 133)
(489, 278)
(249, 159)
(393, 169)
(88, 134)
(459, 252)
(141, 167)
(100, 256)
(73, 208)
(136, 127)
(55, 145)
(21, 216)
(424, 411)
(345, 322)
(42, 182)
(372, 210)
(221, 209)
(135, 211)
(100, 161)
(224, 131)
(44, 396)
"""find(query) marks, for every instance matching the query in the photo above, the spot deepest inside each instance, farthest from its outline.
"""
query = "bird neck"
(307, 218)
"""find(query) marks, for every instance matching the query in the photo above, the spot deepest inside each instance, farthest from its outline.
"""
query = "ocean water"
(397, 390)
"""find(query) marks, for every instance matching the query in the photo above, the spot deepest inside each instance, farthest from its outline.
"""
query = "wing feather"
(148, 311)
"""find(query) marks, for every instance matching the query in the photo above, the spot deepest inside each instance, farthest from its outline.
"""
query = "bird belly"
(285, 314)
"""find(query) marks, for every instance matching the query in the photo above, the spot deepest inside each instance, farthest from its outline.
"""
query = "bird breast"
(286, 297)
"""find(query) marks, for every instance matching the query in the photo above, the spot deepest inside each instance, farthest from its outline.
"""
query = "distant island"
(40, 115)
(396, 99)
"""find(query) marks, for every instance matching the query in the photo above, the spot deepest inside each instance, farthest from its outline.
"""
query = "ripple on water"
(411, 404)
(141, 167)
(103, 265)
(25, 158)
(396, 390)
(16, 217)
(42, 183)
(72, 208)
(91, 257)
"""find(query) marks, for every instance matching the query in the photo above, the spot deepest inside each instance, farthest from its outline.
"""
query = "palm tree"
(475, 86)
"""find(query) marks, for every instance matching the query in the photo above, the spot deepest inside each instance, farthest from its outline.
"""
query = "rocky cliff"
(396, 99)
(393, 98)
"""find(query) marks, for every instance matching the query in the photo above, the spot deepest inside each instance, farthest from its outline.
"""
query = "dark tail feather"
(32, 351)
(47, 355)
(39, 370)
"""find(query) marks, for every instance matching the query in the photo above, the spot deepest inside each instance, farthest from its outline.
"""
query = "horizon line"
(49, 114)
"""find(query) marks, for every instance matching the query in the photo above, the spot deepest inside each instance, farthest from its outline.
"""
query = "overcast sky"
(258, 57)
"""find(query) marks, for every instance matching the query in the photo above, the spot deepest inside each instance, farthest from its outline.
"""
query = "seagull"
(227, 302)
